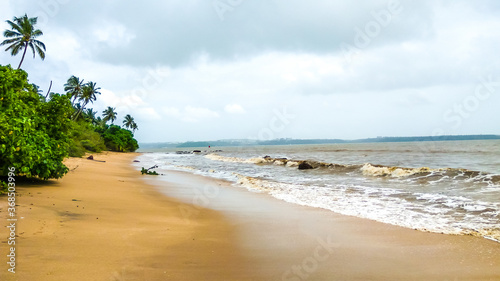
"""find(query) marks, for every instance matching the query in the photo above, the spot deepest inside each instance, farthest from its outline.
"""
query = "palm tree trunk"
(78, 114)
(50, 87)
(81, 110)
(24, 53)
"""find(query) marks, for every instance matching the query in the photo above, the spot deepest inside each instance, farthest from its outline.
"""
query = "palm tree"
(98, 121)
(23, 35)
(89, 94)
(109, 114)
(74, 87)
(134, 127)
(129, 123)
(90, 115)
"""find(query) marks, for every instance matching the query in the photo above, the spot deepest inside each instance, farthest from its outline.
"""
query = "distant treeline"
(226, 143)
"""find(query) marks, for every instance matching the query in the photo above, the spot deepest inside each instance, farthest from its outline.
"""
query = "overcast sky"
(232, 69)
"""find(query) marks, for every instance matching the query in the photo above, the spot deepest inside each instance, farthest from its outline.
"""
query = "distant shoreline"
(287, 141)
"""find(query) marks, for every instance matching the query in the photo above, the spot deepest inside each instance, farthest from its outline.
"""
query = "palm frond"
(36, 33)
(32, 47)
(15, 26)
(8, 41)
(9, 34)
(40, 52)
(15, 48)
(32, 21)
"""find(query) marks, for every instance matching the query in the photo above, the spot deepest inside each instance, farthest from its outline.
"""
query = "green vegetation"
(84, 138)
(119, 139)
(38, 132)
(33, 132)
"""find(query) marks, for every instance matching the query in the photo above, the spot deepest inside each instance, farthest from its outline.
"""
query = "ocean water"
(443, 187)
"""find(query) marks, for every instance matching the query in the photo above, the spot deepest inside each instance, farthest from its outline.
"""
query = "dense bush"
(119, 139)
(33, 132)
(84, 138)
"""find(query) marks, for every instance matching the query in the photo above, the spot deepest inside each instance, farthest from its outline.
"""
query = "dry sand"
(102, 221)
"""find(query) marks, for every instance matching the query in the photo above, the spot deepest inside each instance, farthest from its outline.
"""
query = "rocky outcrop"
(300, 164)
(305, 166)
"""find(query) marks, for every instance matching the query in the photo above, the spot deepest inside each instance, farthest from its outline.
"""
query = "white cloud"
(146, 114)
(191, 114)
(234, 109)
(113, 34)
(110, 98)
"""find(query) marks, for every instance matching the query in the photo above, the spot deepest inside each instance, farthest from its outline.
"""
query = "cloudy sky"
(232, 69)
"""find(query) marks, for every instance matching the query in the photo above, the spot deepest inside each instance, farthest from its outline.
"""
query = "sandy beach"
(104, 221)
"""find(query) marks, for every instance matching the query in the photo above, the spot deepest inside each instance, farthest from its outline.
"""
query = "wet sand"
(284, 241)
(104, 221)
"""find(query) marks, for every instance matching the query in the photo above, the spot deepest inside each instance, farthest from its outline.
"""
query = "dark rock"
(137, 161)
(91, 157)
(305, 166)
(196, 151)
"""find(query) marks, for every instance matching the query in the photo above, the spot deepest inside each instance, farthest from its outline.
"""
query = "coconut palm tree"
(134, 127)
(129, 123)
(109, 114)
(23, 35)
(74, 87)
(89, 94)
(90, 115)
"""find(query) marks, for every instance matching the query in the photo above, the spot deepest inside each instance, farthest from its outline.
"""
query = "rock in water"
(305, 166)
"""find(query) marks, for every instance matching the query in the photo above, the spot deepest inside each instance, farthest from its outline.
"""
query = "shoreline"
(181, 226)
(285, 238)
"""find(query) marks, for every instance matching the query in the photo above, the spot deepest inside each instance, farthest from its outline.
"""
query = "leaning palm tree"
(74, 87)
(23, 35)
(128, 121)
(89, 94)
(109, 114)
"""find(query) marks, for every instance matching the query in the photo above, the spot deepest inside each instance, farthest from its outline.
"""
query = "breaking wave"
(373, 170)
(431, 196)
(422, 211)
